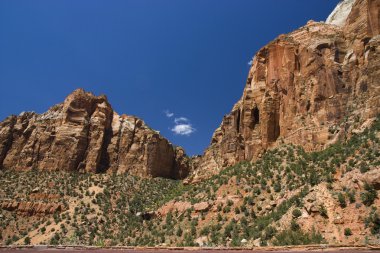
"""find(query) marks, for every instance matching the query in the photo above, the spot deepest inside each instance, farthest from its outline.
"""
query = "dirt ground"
(68, 250)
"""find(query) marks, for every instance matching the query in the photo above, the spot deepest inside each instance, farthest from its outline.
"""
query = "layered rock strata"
(85, 134)
(310, 87)
(31, 208)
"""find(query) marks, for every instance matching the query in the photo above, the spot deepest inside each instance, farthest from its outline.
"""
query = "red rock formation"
(85, 134)
(44, 196)
(31, 208)
(201, 207)
(173, 206)
(310, 88)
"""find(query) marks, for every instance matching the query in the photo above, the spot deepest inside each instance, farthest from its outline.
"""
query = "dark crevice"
(366, 40)
(274, 128)
(104, 161)
(340, 74)
(8, 143)
(363, 87)
(339, 56)
(256, 116)
(36, 161)
(297, 62)
(277, 126)
(308, 105)
(80, 162)
(238, 122)
(322, 46)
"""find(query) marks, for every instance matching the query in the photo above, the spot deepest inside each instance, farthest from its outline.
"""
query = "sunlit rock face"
(339, 15)
(310, 87)
(85, 134)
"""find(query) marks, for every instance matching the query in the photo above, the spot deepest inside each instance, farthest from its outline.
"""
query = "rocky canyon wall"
(311, 87)
(85, 134)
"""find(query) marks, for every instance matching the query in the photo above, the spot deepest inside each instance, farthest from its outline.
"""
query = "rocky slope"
(311, 87)
(287, 197)
(85, 134)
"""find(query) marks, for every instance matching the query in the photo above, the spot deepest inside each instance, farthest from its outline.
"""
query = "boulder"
(35, 190)
(372, 177)
(201, 241)
(201, 207)
(173, 206)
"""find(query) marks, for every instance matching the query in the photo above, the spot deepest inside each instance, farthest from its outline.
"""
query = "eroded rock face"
(31, 208)
(85, 134)
(309, 88)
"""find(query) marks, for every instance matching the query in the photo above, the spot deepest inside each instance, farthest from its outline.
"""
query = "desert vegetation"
(287, 197)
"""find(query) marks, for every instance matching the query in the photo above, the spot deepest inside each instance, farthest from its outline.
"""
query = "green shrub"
(342, 200)
(226, 209)
(369, 196)
(8, 241)
(351, 196)
(205, 230)
(373, 221)
(269, 232)
(179, 232)
(289, 237)
(347, 232)
(277, 187)
(296, 213)
(54, 241)
(323, 211)
(364, 167)
(294, 226)
(27, 240)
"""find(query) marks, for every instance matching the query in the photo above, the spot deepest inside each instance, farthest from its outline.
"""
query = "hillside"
(296, 161)
(287, 197)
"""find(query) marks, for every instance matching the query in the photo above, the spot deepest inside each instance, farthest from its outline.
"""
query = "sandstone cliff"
(311, 87)
(85, 134)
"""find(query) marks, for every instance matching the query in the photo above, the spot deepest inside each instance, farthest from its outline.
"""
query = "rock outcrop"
(173, 206)
(85, 134)
(340, 13)
(31, 208)
(310, 87)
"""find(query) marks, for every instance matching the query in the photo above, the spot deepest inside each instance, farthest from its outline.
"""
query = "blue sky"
(152, 58)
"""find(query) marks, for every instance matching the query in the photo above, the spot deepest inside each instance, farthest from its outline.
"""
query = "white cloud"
(182, 125)
(168, 114)
(181, 120)
(183, 129)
